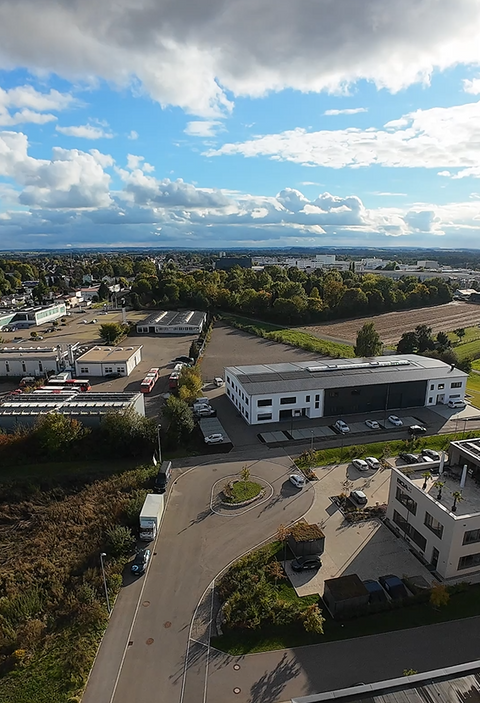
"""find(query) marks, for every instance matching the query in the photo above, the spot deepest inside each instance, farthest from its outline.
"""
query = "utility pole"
(159, 427)
(102, 555)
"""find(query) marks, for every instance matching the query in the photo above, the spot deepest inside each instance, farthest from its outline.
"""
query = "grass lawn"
(243, 490)
(469, 345)
(473, 389)
(336, 455)
(292, 336)
(461, 605)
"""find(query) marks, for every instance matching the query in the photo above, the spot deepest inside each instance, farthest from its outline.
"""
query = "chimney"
(452, 366)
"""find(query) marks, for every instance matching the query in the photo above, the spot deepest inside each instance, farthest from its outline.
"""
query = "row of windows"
(24, 367)
(409, 530)
(469, 561)
(441, 386)
(267, 402)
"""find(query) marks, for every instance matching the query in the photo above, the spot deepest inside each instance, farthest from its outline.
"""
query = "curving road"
(147, 653)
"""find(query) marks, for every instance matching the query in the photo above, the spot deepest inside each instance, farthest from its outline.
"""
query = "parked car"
(85, 322)
(395, 420)
(358, 497)
(298, 480)
(425, 459)
(92, 322)
(372, 462)
(205, 411)
(432, 454)
(184, 359)
(393, 586)
(310, 562)
(360, 464)
(342, 426)
(408, 458)
(113, 374)
(215, 438)
(140, 562)
(375, 591)
(457, 404)
(219, 382)
(373, 424)
(416, 430)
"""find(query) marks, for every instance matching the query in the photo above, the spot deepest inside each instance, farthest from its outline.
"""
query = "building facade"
(443, 530)
(34, 361)
(30, 317)
(102, 361)
(274, 392)
(173, 322)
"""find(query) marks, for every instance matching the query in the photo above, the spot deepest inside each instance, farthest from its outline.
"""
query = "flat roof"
(470, 503)
(68, 403)
(469, 447)
(172, 318)
(261, 379)
(106, 355)
(20, 352)
(346, 587)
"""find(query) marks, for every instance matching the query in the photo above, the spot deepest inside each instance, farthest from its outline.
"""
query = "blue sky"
(271, 123)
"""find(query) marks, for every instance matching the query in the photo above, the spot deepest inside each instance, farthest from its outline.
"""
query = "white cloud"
(24, 104)
(134, 162)
(85, 131)
(133, 135)
(196, 55)
(472, 86)
(390, 195)
(25, 116)
(203, 128)
(347, 111)
(432, 138)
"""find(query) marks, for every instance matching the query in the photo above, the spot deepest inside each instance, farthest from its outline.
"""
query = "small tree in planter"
(245, 474)
(426, 476)
(439, 485)
(457, 497)
(439, 595)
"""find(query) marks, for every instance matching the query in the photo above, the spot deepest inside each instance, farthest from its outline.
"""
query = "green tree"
(443, 340)
(368, 341)
(457, 497)
(189, 384)
(245, 473)
(180, 417)
(119, 540)
(424, 338)
(56, 434)
(127, 433)
(408, 343)
(460, 332)
(439, 595)
(313, 619)
(110, 332)
(194, 350)
(103, 291)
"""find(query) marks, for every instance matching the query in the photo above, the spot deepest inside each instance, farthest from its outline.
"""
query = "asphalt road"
(145, 659)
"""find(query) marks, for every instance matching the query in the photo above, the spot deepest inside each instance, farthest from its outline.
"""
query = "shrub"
(119, 540)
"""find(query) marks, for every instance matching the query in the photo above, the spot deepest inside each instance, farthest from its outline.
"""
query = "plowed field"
(391, 325)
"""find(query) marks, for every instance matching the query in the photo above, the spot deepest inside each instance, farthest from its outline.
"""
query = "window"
(264, 416)
(406, 500)
(409, 530)
(24, 367)
(432, 387)
(264, 402)
(84, 370)
(471, 536)
(441, 386)
(307, 399)
(246, 400)
(246, 414)
(288, 401)
(430, 400)
(317, 398)
(433, 525)
(317, 405)
(40, 366)
(228, 392)
(7, 367)
(457, 384)
(228, 380)
(108, 369)
(469, 561)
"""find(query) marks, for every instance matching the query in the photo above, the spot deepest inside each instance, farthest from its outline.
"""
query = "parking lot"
(367, 548)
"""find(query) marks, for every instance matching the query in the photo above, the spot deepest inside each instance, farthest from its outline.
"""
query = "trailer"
(150, 517)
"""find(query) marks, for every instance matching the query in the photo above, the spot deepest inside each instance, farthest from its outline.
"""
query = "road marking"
(209, 637)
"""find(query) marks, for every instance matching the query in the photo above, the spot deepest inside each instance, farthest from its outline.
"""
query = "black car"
(416, 430)
(140, 562)
(393, 586)
(113, 374)
(310, 562)
(184, 359)
(408, 458)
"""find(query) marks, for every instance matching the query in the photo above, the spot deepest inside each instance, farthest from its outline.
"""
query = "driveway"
(144, 658)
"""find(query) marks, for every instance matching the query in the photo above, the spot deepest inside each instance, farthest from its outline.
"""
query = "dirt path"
(391, 325)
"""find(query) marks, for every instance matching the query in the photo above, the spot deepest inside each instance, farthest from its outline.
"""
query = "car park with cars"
(342, 426)
(360, 464)
(312, 562)
(408, 458)
(373, 424)
(457, 404)
(432, 454)
(298, 480)
(372, 462)
(395, 420)
(140, 562)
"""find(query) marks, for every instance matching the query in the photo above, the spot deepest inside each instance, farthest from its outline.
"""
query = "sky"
(219, 123)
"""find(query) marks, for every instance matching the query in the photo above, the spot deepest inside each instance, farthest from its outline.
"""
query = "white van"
(218, 381)
(457, 404)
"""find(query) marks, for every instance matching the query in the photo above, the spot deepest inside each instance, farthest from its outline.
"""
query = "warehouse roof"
(173, 318)
(116, 355)
(19, 352)
(67, 403)
(308, 375)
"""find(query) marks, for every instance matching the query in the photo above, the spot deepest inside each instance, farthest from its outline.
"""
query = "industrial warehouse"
(274, 392)
(105, 361)
(173, 322)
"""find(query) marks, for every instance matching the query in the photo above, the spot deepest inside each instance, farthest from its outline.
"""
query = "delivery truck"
(150, 517)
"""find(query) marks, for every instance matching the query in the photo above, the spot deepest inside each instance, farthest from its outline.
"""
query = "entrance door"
(435, 555)
(440, 398)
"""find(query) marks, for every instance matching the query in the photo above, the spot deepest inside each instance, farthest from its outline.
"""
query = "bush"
(119, 540)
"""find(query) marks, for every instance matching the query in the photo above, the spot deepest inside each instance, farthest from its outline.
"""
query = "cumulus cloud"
(85, 131)
(472, 86)
(133, 135)
(432, 138)
(346, 111)
(197, 55)
(203, 128)
(25, 104)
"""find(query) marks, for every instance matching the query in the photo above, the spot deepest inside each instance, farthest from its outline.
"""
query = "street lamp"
(159, 427)
(102, 555)
(311, 441)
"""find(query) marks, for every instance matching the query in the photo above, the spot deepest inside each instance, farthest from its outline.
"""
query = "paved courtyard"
(368, 548)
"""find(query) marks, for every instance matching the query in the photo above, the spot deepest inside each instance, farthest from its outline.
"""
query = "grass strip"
(243, 490)
(290, 336)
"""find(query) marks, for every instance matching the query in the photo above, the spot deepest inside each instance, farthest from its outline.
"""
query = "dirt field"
(391, 325)
(231, 347)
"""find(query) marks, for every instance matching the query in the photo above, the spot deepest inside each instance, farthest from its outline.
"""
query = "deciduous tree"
(368, 341)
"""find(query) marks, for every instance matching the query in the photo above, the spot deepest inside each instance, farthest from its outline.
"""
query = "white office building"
(16, 362)
(273, 392)
(173, 322)
(443, 528)
(102, 361)
(30, 317)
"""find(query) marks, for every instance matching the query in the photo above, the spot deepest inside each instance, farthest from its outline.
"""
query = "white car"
(85, 322)
(360, 464)
(395, 420)
(373, 424)
(215, 438)
(359, 497)
(298, 480)
(342, 426)
(372, 462)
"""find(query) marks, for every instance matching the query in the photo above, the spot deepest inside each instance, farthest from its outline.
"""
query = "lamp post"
(159, 427)
(311, 441)
(102, 555)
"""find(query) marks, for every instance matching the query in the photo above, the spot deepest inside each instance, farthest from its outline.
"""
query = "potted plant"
(439, 485)
(426, 475)
(457, 497)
